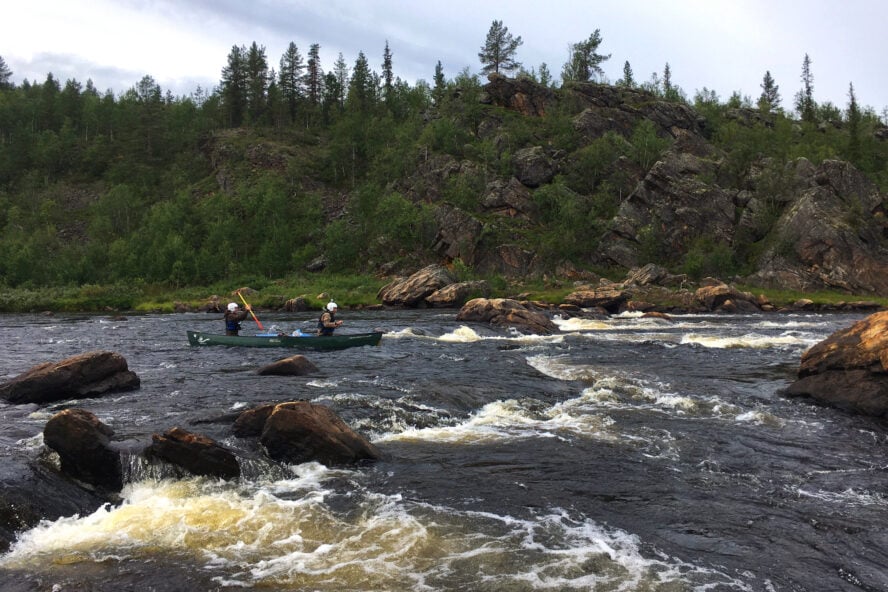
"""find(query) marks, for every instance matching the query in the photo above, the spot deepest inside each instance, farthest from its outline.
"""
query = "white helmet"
(232, 306)
(331, 306)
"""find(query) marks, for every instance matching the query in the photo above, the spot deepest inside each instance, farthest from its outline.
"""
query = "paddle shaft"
(249, 308)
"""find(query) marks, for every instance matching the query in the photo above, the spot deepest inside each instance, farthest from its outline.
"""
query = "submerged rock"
(297, 365)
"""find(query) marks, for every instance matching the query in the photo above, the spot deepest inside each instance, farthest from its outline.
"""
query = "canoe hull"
(308, 342)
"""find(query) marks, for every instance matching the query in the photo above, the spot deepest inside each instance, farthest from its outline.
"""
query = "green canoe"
(306, 341)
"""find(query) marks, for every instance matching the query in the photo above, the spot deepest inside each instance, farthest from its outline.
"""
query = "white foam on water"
(465, 334)
(750, 340)
(617, 390)
(847, 498)
(284, 534)
(509, 420)
(581, 324)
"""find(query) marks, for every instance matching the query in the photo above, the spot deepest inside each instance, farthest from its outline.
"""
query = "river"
(626, 454)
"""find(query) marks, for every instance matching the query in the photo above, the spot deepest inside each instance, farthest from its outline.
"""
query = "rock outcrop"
(83, 444)
(457, 294)
(849, 369)
(831, 235)
(412, 291)
(90, 374)
(610, 298)
(507, 313)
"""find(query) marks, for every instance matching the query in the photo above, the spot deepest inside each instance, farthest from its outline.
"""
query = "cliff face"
(820, 227)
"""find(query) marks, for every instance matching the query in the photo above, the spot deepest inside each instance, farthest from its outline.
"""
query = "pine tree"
(499, 50)
(769, 100)
(585, 61)
(5, 75)
(290, 79)
(257, 82)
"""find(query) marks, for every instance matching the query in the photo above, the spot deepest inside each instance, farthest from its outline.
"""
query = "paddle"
(249, 308)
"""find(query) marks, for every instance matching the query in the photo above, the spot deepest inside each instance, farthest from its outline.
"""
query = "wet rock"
(90, 374)
(297, 365)
(300, 431)
(34, 491)
(505, 312)
(195, 453)
(251, 422)
(84, 448)
(849, 369)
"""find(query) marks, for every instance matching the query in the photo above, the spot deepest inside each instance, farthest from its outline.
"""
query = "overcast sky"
(724, 46)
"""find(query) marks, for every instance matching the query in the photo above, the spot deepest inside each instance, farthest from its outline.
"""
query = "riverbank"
(351, 291)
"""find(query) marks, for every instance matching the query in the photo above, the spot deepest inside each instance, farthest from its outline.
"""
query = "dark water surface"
(628, 454)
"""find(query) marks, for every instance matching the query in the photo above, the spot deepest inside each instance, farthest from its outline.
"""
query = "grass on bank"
(349, 291)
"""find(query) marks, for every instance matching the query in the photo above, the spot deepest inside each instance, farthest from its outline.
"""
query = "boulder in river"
(89, 374)
(300, 431)
(505, 312)
(849, 369)
(197, 454)
(82, 442)
(297, 365)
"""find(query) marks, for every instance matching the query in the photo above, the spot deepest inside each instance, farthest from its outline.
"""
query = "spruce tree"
(5, 75)
(769, 100)
(387, 74)
(628, 79)
(499, 50)
(340, 70)
(854, 118)
(805, 104)
(361, 91)
(440, 83)
(545, 75)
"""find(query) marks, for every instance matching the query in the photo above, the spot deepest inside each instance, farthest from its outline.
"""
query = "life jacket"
(232, 324)
(322, 330)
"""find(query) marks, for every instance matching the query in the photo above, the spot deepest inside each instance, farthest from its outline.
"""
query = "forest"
(142, 187)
